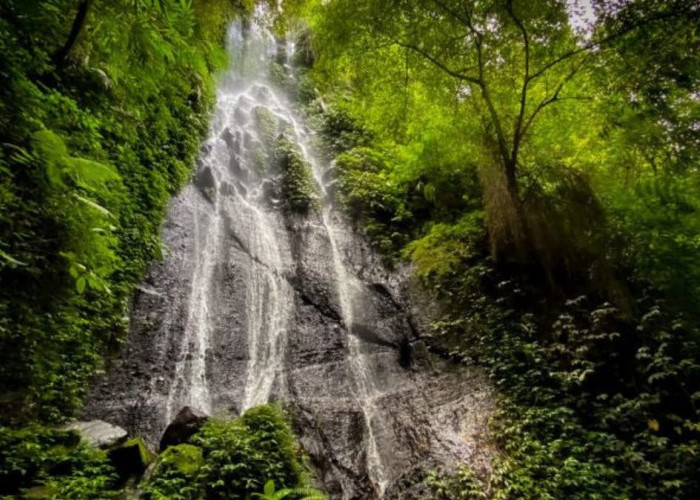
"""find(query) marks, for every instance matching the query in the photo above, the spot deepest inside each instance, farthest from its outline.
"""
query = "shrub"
(241, 455)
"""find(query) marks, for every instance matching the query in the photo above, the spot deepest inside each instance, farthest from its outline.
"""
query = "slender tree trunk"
(61, 55)
(511, 179)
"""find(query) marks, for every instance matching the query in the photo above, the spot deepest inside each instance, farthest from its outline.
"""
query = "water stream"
(256, 304)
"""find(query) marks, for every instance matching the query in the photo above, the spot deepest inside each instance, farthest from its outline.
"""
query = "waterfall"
(255, 303)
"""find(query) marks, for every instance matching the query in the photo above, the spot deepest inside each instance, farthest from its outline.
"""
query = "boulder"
(98, 433)
(186, 423)
(130, 458)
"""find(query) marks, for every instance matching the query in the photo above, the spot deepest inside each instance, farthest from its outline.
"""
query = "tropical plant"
(270, 493)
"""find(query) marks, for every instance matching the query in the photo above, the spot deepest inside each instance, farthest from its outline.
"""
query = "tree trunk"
(61, 55)
(511, 179)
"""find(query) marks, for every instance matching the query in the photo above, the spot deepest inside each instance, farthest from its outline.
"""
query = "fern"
(270, 493)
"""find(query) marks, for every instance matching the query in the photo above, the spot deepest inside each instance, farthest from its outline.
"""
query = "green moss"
(185, 458)
(267, 124)
(298, 186)
(130, 458)
(280, 77)
(48, 463)
(39, 492)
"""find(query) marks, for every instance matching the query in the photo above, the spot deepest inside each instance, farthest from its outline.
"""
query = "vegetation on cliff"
(102, 109)
(225, 460)
(536, 165)
(539, 169)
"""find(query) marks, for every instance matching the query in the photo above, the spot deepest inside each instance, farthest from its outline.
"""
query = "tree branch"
(605, 40)
(434, 60)
(518, 132)
(61, 54)
(555, 97)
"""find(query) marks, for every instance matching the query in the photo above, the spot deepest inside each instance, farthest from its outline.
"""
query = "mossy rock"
(39, 492)
(130, 458)
(281, 78)
(298, 187)
(186, 459)
(267, 124)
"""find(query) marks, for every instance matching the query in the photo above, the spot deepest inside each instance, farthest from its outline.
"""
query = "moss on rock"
(298, 186)
(267, 125)
(185, 458)
(130, 458)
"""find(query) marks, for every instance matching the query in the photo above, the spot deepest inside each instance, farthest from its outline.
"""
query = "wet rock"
(271, 193)
(228, 137)
(296, 308)
(205, 149)
(130, 458)
(240, 116)
(241, 189)
(234, 165)
(186, 423)
(206, 182)
(98, 433)
(262, 93)
(227, 189)
(405, 353)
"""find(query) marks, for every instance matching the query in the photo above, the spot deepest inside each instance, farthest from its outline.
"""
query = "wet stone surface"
(252, 304)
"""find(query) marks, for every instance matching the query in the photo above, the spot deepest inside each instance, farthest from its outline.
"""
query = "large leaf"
(90, 174)
(93, 205)
(51, 149)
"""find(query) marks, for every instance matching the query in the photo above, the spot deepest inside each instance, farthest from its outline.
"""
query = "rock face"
(187, 422)
(254, 304)
(99, 433)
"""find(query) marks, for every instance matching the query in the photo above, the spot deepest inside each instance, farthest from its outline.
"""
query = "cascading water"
(256, 303)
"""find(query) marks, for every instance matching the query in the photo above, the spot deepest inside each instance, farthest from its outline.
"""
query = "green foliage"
(461, 484)
(369, 197)
(55, 463)
(232, 459)
(298, 187)
(242, 455)
(267, 124)
(658, 223)
(90, 152)
(176, 475)
(598, 404)
(270, 493)
(446, 247)
(595, 199)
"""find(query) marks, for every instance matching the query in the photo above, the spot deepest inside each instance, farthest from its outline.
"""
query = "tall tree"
(512, 61)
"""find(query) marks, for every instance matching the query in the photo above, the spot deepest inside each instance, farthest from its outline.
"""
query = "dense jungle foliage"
(102, 109)
(226, 460)
(538, 166)
(103, 105)
(537, 162)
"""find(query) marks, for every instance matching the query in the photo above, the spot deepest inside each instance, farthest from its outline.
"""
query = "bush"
(176, 475)
(241, 455)
(56, 463)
